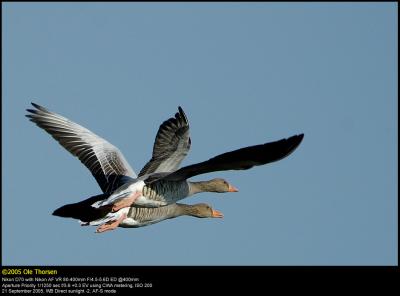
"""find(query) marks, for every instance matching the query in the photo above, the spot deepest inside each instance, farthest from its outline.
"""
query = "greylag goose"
(139, 216)
(160, 182)
(169, 187)
(114, 174)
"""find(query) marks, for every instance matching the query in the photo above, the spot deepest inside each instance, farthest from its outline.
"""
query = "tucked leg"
(126, 202)
(110, 225)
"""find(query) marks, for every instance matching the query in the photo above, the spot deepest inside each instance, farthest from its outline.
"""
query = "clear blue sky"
(245, 74)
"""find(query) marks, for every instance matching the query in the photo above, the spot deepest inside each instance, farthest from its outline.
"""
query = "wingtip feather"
(295, 142)
(182, 113)
(300, 137)
(31, 111)
(41, 108)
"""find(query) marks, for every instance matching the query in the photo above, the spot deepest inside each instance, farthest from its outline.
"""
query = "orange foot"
(126, 202)
(110, 225)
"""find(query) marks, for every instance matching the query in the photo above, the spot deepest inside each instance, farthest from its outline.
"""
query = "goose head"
(203, 210)
(215, 185)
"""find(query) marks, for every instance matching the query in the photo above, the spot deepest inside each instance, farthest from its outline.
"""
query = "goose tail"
(83, 210)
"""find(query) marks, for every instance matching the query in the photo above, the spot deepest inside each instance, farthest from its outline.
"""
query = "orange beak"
(232, 188)
(217, 214)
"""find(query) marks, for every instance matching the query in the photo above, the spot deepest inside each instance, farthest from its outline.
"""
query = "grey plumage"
(171, 145)
(140, 216)
(160, 179)
(167, 191)
(106, 163)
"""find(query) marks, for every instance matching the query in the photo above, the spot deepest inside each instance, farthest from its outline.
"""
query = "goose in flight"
(133, 217)
(160, 182)
(113, 173)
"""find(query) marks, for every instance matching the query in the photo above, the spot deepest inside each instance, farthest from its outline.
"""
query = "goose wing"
(171, 145)
(241, 159)
(105, 161)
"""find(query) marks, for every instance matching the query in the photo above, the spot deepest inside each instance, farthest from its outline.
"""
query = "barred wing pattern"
(171, 145)
(105, 161)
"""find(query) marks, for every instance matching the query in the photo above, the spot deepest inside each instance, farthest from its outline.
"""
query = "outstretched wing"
(241, 159)
(105, 161)
(171, 145)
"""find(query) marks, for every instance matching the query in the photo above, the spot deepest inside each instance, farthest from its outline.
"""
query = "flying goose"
(160, 182)
(113, 173)
(138, 216)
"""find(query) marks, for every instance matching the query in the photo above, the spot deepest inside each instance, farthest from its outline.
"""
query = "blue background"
(245, 74)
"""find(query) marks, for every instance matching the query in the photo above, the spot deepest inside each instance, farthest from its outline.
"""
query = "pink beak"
(232, 188)
(217, 214)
